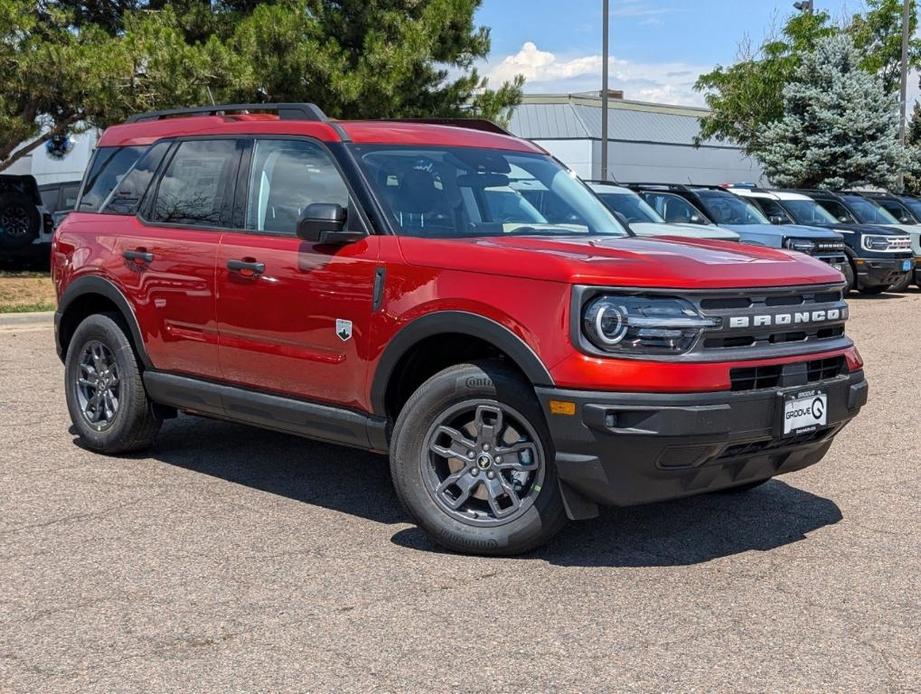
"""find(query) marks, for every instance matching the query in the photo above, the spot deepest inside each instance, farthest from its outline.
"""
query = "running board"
(276, 412)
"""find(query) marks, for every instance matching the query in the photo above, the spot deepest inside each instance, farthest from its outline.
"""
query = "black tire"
(902, 284)
(742, 488)
(133, 424)
(874, 290)
(20, 221)
(849, 275)
(487, 387)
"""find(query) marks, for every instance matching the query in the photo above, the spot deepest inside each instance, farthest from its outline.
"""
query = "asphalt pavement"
(234, 559)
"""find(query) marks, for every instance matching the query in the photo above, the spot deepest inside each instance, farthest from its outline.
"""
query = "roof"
(554, 117)
(769, 194)
(360, 132)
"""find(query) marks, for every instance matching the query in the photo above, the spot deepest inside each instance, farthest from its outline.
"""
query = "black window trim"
(85, 181)
(241, 188)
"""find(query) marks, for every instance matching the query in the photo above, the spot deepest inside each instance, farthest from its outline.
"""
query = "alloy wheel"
(97, 385)
(15, 220)
(483, 463)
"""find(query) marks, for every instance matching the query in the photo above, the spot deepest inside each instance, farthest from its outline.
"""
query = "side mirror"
(695, 219)
(324, 223)
(775, 219)
(842, 219)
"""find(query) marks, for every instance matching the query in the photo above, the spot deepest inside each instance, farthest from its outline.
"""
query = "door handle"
(139, 256)
(247, 268)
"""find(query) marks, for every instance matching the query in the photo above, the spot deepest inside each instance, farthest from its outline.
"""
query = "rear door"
(168, 250)
(294, 316)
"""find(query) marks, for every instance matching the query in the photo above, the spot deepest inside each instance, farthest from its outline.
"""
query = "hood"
(910, 229)
(696, 231)
(621, 261)
(797, 230)
(843, 228)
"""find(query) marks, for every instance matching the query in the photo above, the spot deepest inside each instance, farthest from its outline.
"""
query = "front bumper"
(874, 272)
(623, 449)
(836, 260)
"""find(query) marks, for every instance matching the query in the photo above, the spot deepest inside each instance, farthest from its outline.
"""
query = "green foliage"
(878, 37)
(68, 65)
(840, 126)
(746, 97)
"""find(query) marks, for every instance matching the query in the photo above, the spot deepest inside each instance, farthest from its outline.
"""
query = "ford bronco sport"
(377, 284)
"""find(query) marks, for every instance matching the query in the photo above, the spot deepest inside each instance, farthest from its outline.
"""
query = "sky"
(658, 47)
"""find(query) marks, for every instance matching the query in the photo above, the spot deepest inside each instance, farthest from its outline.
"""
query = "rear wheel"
(105, 394)
(472, 462)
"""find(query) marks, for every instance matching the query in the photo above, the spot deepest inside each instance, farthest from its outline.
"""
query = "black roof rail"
(655, 186)
(482, 124)
(309, 112)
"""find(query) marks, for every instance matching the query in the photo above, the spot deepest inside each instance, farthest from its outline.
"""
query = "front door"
(293, 316)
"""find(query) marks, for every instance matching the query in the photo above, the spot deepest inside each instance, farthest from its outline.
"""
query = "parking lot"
(231, 558)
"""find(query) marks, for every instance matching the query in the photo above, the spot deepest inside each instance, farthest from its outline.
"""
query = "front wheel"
(849, 276)
(902, 284)
(472, 462)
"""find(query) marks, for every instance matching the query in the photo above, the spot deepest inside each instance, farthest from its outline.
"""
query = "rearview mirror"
(324, 223)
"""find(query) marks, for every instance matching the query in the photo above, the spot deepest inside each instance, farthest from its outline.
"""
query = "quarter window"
(197, 183)
(127, 195)
(109, 166)
(285, 178)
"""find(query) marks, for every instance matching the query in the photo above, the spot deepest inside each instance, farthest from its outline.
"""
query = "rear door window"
(107, 169)
(196, 188)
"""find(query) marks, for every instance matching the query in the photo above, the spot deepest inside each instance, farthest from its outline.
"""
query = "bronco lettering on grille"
(795, 318)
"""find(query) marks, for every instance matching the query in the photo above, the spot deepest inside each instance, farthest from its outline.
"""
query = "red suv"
(444, 293)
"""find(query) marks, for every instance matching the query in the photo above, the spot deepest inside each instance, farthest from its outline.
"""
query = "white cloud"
(546, 72)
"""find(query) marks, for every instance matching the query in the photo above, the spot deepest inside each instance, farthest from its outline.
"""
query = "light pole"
(903, 93)
(604, 90)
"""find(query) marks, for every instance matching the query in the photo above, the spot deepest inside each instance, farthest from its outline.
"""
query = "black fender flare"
(464, 323)
(100, 286)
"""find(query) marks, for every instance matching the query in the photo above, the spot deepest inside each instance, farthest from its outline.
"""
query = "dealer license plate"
(804, 411)
(906, 265)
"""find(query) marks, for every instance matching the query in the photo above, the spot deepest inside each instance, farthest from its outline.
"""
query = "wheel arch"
(93, 294)
(451, 324)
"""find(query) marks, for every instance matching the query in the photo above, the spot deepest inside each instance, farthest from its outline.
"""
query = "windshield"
(459, 192)
(631, 206)
(913, 205)
(868, 212)
(808, 212)
(726, 208)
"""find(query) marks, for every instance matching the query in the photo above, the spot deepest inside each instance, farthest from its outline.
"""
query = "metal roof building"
(647, 142)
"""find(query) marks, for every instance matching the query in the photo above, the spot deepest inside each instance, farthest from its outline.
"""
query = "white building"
(48, 169)
(647, 142)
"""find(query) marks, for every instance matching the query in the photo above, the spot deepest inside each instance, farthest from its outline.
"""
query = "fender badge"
(344, 329)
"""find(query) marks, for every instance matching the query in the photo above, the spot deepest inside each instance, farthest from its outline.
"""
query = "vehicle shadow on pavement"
(682, 532)
(334, 477)
(686, 531)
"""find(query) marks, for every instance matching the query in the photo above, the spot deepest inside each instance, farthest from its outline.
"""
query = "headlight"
(801, 245)
(643, 325)
(879, 244)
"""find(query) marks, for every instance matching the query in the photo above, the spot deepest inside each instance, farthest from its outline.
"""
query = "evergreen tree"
(68, 65)
(840, 128)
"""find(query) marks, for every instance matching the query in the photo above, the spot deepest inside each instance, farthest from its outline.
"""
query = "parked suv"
(375, 284)
(25, 225)
(634, 212)
(903, 209)
(871, 270)
(881, 251)
(713, 204)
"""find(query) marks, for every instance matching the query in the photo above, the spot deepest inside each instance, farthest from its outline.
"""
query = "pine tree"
(840, 128)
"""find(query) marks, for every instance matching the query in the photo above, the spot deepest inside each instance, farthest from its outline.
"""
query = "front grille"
(782, 320)
(781, 375)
